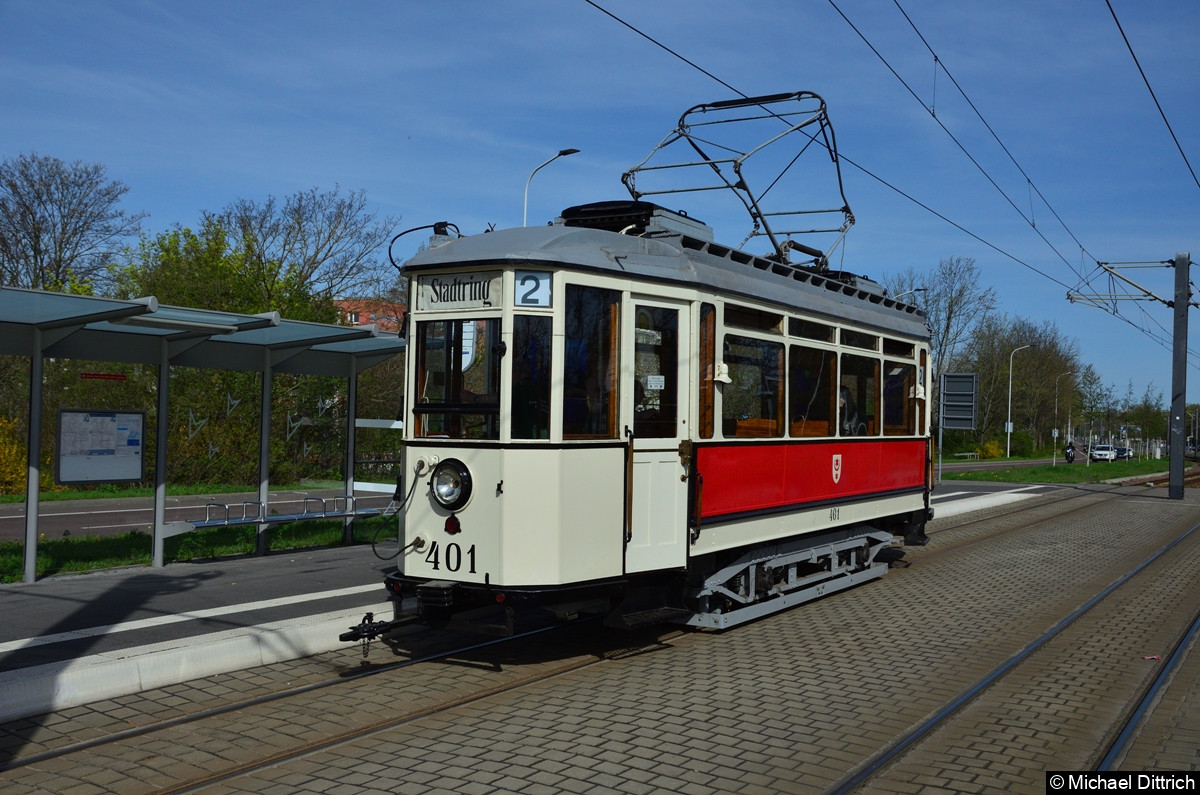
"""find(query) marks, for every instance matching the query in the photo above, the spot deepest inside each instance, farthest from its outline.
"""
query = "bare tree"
(953, 301)
(59, 222)
(325, 242)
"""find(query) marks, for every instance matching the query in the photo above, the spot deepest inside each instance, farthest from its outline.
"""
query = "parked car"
(1103, 452)
(1124, 453)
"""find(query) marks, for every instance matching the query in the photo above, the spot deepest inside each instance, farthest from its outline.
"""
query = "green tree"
(208, 270)
(993, 349)
(1097, 403)
(292, 257)
(1145, 417)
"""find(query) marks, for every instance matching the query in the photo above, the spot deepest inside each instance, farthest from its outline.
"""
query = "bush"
(14, 466)
(12, 458)
(991, 449)
(1021, 445)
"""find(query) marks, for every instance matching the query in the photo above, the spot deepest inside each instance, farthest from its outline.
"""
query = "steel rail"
(902, 743)
(267, 698)
(1120, 745)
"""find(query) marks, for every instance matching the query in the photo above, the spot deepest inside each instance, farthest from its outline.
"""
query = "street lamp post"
(1008, 425)
(909, 292)
(1054, 460)
(561, 153)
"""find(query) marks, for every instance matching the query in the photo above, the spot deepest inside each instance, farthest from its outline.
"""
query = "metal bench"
(221, 514)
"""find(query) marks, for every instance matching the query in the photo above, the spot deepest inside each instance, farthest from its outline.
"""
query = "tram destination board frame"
(100, 446)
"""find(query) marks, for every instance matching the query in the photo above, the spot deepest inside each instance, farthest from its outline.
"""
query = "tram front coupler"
(369, 629)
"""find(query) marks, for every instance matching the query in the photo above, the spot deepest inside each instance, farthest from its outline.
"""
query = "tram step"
(658, 615)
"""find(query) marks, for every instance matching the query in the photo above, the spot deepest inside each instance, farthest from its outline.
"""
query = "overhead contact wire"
(897, 190)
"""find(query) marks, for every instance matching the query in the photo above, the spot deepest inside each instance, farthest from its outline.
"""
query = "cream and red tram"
(614, 409)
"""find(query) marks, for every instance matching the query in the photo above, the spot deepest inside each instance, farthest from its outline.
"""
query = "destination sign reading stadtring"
(460, 291)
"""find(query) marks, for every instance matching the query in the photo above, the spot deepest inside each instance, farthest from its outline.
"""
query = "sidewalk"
(72, 639)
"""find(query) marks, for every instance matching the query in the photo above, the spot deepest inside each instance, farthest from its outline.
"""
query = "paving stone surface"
(793, 703)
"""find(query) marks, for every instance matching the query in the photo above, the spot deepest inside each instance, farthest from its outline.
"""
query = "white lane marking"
(940, 496)
(145, 623)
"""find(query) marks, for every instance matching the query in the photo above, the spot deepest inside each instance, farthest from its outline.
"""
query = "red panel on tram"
(753, 477)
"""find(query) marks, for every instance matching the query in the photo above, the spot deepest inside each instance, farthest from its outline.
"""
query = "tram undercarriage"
(719, 590)
(774, 577)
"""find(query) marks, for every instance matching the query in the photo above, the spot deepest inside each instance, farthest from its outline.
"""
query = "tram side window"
(458, 379)
(708, 366)
(655, 372)
(530, 396)
(811, 375)
(752, 403)
(899, 398)
(590, 363)
(858, 396)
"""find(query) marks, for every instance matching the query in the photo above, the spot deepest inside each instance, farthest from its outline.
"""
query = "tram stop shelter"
(38, 324)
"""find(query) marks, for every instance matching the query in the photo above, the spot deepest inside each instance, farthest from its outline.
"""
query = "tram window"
(857, 339)
(458, 379)
(893, 347)
(655, 372)
(530, 396)
(752, 403)
(899, 398)
(810, 330)
(919, 399)
(708, 364)
(590, 363)
(811, 374)
(753, 319)
(858, 396)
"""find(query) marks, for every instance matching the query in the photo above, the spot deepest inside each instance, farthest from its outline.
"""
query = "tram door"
(656, 536)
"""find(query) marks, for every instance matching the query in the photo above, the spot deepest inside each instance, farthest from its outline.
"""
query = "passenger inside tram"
(850, 424)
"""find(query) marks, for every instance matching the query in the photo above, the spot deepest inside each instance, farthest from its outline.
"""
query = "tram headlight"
(451, 484)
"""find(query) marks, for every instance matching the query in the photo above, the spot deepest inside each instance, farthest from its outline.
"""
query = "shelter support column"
(161, 424)
(264, 453)
(34, 447)
(351, 416)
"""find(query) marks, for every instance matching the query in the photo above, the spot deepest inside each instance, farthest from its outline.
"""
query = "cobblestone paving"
(791, 703)
(1057, 709)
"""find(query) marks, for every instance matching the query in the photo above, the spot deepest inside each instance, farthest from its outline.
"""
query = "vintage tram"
(616, 412)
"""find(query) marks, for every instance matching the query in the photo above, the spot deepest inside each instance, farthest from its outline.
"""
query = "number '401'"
(450, 556)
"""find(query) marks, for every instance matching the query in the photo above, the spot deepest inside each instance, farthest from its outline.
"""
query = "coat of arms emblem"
(837, 467)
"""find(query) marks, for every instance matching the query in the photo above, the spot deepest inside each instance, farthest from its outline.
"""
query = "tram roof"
(664, 255)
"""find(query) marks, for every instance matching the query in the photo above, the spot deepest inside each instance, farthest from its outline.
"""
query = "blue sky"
(439, 111)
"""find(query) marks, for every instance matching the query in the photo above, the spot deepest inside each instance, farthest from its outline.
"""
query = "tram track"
(248, 703)
(409, 717)
(1126, 736)
(378, 726)
(873, 773)
(576, 647)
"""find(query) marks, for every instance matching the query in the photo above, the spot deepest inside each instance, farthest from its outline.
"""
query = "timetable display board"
(959, 401)
(100, 446)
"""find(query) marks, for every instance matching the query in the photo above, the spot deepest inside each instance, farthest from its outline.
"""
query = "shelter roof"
(142, 331)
